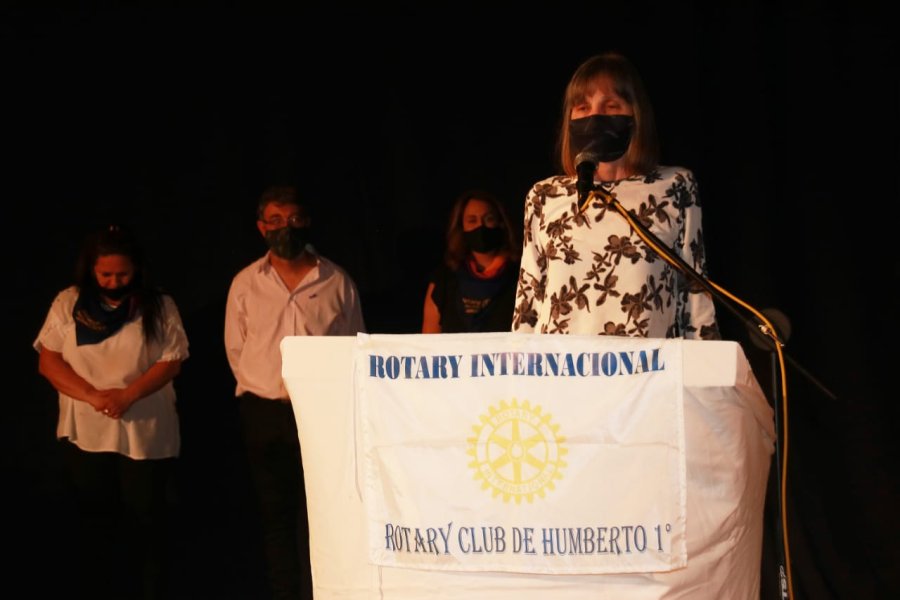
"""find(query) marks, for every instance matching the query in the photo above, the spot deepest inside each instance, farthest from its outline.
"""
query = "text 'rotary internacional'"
(516, 364)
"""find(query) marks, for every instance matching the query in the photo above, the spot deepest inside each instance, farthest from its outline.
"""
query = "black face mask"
(287, 242)
(484, 239)
(605, 136)
(116, 294)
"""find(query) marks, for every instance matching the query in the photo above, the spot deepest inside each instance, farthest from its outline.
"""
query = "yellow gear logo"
(517, 451)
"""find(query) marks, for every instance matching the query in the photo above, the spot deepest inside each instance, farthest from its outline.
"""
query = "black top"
(470, 304)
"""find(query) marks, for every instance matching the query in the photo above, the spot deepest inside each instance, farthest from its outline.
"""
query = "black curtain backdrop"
(173, 120)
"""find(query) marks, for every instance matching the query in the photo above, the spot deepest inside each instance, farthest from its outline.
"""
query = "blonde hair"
(643, 152)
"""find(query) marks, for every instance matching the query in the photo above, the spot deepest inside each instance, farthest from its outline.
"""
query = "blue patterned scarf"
(95, 320)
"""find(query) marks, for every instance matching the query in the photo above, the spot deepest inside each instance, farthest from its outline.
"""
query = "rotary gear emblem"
(517, 451)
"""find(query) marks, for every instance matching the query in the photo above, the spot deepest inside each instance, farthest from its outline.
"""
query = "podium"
(728, 442)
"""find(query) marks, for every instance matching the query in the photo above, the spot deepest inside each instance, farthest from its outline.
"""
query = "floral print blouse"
(588, 272)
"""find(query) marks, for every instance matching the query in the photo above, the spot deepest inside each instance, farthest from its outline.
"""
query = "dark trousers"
(122, 534)
(273, 453)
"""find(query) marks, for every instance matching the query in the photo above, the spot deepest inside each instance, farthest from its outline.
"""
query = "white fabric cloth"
(531, 454)
(261, 310)
(149, 429)
(589, 273)
(729, 434)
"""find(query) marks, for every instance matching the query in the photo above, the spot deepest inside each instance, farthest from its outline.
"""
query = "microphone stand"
(768, 333)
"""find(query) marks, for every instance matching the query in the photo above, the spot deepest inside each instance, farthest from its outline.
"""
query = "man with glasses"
(290, 291)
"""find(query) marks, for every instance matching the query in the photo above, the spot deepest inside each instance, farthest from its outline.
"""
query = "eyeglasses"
(277, 222)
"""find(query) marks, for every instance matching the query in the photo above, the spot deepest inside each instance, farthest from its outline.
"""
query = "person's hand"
(95, 398)
(114, 402)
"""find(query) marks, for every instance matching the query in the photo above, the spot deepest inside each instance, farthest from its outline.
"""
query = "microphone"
(585, 166)
(779, 321)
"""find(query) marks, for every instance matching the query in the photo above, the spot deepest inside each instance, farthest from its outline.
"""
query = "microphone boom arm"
(728, 300)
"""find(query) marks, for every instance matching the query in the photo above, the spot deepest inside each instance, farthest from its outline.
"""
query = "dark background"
(173, 120)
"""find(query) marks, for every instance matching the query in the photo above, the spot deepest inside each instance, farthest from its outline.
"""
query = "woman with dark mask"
(584, 269)
(473, 289)
(111, 345)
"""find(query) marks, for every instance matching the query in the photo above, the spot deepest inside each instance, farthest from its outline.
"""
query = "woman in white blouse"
(111, 346)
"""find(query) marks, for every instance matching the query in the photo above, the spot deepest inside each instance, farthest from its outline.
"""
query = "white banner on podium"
(522, 453)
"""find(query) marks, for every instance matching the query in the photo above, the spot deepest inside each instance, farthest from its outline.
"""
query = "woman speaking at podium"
(584, 269)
